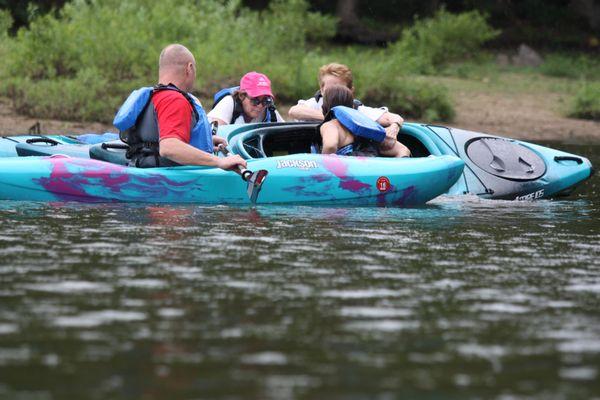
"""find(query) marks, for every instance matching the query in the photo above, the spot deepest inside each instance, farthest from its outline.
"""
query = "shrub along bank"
(82, 62)
(586, 103)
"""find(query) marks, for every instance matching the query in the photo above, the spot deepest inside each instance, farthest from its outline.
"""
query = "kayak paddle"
(253, 179)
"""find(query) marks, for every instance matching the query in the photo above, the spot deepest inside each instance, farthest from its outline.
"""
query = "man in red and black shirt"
(177, 67)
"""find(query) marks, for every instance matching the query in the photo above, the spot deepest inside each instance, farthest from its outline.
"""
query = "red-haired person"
(340, 74)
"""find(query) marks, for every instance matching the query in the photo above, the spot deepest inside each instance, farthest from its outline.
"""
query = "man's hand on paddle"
(230, 163)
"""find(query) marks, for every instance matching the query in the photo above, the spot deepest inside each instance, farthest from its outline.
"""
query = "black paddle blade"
(255, 182)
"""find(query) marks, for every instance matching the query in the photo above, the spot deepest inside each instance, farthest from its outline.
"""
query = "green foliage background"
(81, 62)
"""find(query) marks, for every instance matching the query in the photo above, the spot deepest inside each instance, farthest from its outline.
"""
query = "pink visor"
(256, 84)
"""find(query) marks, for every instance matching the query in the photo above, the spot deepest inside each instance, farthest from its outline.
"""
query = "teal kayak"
(8, 144)
(298, 179)
(43, 145)
(495, 167)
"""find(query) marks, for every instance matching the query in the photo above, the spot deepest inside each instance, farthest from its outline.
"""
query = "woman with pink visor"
(252, 101)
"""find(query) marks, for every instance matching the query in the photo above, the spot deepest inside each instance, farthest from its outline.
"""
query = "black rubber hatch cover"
(506, 159)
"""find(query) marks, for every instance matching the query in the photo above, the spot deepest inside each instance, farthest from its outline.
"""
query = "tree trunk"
(345, 10)
(588, 9)
(351, 30)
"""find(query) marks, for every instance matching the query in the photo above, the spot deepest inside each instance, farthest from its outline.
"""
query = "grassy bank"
(508, 101)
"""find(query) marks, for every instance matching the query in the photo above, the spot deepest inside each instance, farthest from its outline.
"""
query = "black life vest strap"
(318, 95)
(271, 115)
(140, 148)
(238, 109)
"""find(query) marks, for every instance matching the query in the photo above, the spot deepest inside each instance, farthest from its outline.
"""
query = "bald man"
(170, 126)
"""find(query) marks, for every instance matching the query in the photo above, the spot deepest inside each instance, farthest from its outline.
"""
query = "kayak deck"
(302, 178)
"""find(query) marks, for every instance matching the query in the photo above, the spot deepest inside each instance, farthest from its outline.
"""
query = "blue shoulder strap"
(132, 108)
(222, 93)
(359, 124)
(344, 151)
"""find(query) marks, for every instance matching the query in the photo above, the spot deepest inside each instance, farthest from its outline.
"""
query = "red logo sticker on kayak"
(383, 184)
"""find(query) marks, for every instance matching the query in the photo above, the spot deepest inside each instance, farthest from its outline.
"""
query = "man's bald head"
(174, 56)
(177, 65)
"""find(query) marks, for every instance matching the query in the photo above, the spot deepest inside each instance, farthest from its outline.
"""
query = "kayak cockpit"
(271, 140)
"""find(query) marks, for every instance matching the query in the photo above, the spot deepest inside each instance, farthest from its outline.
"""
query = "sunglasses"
(265, 101)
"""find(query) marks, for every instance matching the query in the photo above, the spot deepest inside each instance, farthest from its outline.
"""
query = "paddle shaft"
(245, 173)
(253, 179)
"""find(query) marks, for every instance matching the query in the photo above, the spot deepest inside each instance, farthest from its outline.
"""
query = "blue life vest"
(238, 110)
(221, 94)
(138, 127)
(131, 109)
(358, 124)
(201, 135)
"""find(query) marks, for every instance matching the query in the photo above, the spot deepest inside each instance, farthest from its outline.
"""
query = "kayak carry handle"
(568, 158)
(46, 140)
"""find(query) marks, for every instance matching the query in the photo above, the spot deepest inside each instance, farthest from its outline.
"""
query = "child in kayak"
(347, 132)
(252, 101)
(340, 74)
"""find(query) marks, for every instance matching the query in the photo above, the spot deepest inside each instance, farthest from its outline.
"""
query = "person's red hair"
(338, 70)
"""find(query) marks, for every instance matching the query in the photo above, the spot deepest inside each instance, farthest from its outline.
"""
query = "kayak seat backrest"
(291, 140)
(277, 140)
(112, 152)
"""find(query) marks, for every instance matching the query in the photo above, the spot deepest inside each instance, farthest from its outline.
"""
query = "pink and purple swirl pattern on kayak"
(72, 178)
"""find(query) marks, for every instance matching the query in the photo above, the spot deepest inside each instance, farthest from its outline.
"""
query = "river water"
(460, 299)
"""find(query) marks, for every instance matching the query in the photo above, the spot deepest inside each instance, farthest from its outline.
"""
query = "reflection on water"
(461, 298)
